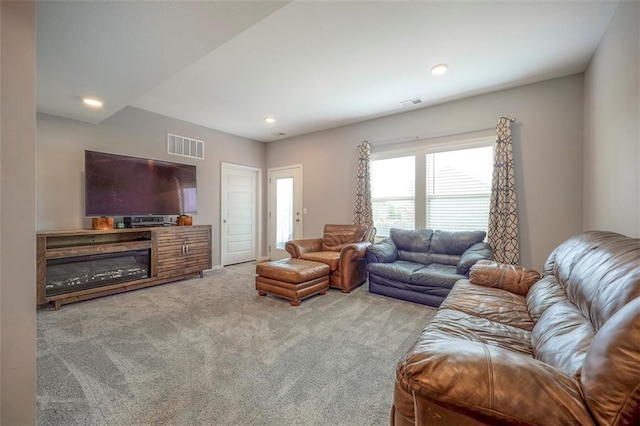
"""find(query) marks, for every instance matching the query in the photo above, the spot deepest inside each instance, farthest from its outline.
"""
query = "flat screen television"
(119, 185)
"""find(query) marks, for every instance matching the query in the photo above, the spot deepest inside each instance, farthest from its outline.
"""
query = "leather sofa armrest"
(488, 383)
(383, 252)
(513, 278)
(298, 247)
(478, 251)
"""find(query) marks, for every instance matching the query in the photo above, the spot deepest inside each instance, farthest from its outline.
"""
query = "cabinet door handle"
(187, 248)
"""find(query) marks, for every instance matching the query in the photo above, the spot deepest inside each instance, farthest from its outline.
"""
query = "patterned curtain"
(503, 210)
(363, 212)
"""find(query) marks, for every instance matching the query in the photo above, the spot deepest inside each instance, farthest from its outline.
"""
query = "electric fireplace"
(84, 272)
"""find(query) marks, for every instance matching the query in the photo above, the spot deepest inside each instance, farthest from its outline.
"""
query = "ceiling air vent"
(278, 134)
(411, 102)
(185, 147)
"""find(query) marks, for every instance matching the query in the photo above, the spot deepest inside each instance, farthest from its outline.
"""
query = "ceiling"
(311, 65)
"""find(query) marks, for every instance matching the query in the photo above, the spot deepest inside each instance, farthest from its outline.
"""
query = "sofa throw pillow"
(476, 252)
(411, 240)
(513, 278)
(448, 242)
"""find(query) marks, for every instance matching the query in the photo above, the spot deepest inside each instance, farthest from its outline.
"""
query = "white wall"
(17, 217)
(132, 131)
(611, 129)
(547, 141)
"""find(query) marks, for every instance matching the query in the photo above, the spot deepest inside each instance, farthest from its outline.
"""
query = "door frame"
(224, 167)
(270, 196)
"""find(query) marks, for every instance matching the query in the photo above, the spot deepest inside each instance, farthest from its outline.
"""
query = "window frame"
(419, 151)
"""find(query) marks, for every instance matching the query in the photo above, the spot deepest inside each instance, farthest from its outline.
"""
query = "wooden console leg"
(295, 303)
(261, 293)
(56, 305)
(346, 291)
(322, 293)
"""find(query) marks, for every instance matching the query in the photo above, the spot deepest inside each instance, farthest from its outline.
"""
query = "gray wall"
(611, 129)
(132, 131)
(547, 150)
(17, 217)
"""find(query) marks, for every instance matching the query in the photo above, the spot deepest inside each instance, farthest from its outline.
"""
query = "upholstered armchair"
(343, 248)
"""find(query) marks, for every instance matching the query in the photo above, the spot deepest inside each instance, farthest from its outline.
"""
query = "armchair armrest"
(491, 384)
(383, 252)
(513, 278)
(352, 253)
(298, 247)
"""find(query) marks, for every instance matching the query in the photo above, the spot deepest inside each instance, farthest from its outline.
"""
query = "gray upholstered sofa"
(423, 265)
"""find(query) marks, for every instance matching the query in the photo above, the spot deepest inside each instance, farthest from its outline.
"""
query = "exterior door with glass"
(285, 208)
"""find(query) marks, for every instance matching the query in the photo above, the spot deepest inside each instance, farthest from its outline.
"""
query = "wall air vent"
(185, 147)
(411, 102)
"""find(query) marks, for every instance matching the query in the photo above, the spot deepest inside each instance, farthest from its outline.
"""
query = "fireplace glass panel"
(85, 272)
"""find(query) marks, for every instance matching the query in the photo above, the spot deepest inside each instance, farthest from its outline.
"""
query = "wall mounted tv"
(118, 185)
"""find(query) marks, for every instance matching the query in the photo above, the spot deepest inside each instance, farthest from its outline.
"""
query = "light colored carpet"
(212, 352)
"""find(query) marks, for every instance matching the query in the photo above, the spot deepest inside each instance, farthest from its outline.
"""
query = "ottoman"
(292, 279)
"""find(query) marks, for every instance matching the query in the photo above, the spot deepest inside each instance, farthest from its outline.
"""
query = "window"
(393, 193)
(444, 187)
(459, 189)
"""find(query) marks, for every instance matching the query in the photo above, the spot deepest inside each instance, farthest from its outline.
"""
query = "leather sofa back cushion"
(544, 294)
(446, 242)
(562, 337)
(600, 273)
(410, 240)
(610, 376)
(337, 236)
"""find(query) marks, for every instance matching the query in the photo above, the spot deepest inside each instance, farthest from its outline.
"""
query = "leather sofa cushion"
(331, 258)
(444, 258)
(545, 293)
(410, 240)
(435, 274)
(561, 337)
(600, 273)
(414, 256)
(455, 242)
(398, 271)
(335, 237)
(494, 304)
(457, 366)
(448, 324)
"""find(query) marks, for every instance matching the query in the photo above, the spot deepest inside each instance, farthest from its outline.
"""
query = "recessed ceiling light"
(270, 120)
(93, 102)
(439, 69)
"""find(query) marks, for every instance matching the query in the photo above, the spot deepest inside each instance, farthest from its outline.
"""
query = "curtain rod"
(436, 136)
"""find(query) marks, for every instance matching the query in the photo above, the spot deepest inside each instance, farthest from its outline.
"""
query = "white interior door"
(239, 233)
(285, 208)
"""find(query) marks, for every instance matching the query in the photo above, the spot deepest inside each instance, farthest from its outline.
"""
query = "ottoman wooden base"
(292, 279)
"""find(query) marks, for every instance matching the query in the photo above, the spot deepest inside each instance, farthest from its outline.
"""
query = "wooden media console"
(84, 264)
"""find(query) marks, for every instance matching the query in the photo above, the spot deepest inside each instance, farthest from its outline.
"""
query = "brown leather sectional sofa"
(509, 346)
